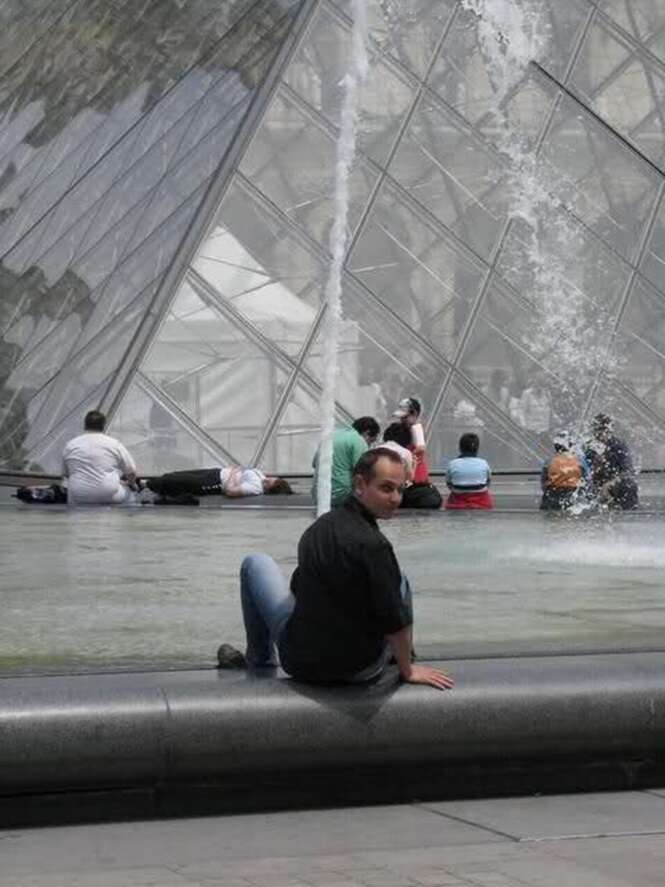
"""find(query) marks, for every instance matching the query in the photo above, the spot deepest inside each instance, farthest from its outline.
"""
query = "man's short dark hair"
(416, 406)
(94, 421)
(398, 433)
(601, 421)
(367, 425)
(469, 443)
(365, 466)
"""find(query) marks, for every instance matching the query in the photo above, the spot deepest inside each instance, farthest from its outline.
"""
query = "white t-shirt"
(248, 481)
(93, 462)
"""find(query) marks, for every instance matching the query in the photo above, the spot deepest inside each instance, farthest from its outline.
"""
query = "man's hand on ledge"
(425, 674)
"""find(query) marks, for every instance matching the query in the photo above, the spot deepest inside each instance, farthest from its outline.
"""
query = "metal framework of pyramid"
(166, 174)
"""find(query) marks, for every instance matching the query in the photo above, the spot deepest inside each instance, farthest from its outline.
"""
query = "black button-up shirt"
(608, 460)
(347, 591)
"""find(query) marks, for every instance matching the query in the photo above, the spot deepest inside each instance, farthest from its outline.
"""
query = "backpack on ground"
(564, 472)
(53, 495)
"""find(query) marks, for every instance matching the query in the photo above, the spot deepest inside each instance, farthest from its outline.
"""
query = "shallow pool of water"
(109, 588)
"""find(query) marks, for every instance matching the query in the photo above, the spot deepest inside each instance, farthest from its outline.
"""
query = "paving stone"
(443, 879)
(384, 878)
(214, 875)
(534, 867)
(492, 879)
(179, 843)
(153, 877)
(331, 882)
(430, 877)
(320, 878)
(639, 859)
(562, 815)
(435, 857)
(97, 856)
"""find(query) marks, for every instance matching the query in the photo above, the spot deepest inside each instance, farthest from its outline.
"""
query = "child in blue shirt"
(469, 477)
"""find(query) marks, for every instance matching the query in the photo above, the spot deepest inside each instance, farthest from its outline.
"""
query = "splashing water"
(571, 554)
(346, 149)
(510, 34)
(570, 331)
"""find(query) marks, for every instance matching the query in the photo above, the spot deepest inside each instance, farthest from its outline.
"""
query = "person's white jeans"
(111, 492)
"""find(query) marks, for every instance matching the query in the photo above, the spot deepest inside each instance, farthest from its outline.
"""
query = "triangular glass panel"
(380, 361)
(206, 367)
(316, 74)
(256, 265)
(407, 31)
(420, 273)
(296, 434)
(158, 436)
(83, 372)
(292, 162)
(467, 409)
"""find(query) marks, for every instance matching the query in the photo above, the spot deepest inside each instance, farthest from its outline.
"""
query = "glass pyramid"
(166, 184)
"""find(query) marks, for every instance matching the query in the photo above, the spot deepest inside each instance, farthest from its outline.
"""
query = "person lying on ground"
(349, 606)
(98, 468)
(469, 477)
(232, 481)
(347, 447)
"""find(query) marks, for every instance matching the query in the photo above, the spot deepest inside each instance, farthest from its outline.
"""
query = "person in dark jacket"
(613, 478)
(349, 606)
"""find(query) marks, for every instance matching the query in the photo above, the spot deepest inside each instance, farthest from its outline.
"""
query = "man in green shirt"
(348, 446)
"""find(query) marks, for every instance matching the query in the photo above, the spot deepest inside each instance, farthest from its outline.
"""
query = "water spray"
(346, 150)
(512, 36)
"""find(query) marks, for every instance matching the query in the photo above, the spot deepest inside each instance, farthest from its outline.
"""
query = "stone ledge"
(204, 732)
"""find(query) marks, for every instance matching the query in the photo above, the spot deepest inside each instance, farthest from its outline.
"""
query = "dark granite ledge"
(165, 743)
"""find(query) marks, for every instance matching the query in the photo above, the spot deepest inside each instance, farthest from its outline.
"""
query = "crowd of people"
(347, 610)
(347, 613)
(98, 469)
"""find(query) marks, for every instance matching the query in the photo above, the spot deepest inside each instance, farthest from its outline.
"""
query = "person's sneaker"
(229, 657)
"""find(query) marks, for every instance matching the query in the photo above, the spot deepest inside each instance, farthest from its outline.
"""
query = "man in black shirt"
(612, 473)
(349, 606)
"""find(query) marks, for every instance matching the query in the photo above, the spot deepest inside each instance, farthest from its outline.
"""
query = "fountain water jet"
(346, 149)
(571, 331)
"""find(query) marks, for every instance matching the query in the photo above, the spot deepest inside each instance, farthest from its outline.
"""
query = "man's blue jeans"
(267, 604)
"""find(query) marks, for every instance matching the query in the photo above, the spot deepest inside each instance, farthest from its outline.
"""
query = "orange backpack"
(564, 472)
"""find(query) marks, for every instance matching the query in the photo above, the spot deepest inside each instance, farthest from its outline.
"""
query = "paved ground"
(593, 840)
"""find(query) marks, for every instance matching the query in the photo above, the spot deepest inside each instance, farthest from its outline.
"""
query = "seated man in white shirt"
(98, 468)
